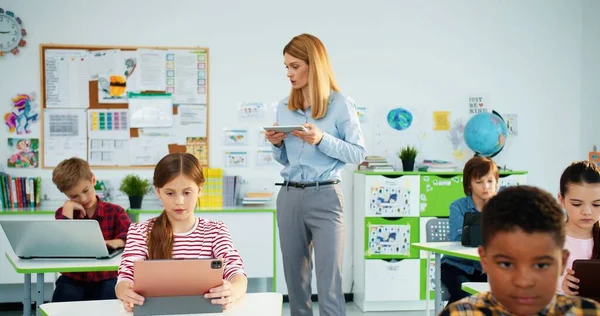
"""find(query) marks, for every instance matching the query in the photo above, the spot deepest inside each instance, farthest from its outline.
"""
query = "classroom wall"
(526, 56)
(590, 67)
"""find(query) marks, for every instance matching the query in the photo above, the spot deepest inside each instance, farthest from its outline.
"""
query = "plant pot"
(135, 202)
(408, 165)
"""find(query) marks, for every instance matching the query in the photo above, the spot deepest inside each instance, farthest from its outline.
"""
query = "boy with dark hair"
(522, 253)
(74, 178)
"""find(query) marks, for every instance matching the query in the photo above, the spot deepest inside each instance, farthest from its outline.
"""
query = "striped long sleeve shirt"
(207, 239)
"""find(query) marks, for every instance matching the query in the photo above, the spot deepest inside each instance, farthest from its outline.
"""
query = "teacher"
(310, 202)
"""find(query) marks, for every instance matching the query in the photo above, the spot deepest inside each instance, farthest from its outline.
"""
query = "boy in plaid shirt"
(523, 234)
(74, 178)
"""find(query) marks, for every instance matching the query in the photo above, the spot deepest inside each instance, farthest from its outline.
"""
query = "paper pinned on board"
(153, 70)
(108, 152)
(67, 78)
(150, 110)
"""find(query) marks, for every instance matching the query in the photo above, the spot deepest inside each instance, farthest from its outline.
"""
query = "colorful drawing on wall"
(236, 159)
(457, 138)
(236, 137)
(198, 147)
(112, 88)
(512, 124)
(362, 113)
(399, 119)
(130, 64)
(252, 109)
(22, 115)
(389, 239)
(265, 158)
(24, 152)
(388, 201)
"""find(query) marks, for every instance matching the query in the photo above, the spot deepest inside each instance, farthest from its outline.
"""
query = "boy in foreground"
(522, 253)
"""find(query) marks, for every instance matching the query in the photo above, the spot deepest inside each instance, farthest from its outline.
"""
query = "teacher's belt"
(303, 185)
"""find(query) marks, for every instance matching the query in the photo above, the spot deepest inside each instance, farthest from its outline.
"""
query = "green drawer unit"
(438, 191)
(391, 238)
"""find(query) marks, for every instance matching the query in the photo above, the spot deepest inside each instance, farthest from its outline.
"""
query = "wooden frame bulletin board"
(95, 104)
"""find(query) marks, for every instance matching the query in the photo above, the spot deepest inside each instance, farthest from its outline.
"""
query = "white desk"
(41, 266)
(452, 248)
(263, 304)
(475, 287)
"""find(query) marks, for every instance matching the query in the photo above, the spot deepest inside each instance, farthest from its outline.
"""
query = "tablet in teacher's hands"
(285, 128)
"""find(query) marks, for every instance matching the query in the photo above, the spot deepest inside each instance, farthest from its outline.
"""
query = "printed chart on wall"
(122, 107)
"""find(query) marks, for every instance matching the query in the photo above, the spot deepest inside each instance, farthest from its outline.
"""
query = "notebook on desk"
(589, 278)
(76, 239)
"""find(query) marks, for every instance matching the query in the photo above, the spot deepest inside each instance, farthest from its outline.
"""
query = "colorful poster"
(24, 152)
(108, 124)
(236, 137)
(252, 109)
(479, 103)
(389, 239)
(22, 115)
(198, 147)
(236, 159)
(265, 158)
(441, 120)
(112, 88)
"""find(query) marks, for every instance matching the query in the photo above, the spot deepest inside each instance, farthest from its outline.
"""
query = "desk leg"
(438, 283)
(427, 284)
(27, 296)
(40, 293)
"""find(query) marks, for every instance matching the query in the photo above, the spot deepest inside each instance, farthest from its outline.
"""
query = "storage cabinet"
(392, 211)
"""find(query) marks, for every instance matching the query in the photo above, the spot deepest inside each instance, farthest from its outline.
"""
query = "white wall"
(425, 55)
(590, 93)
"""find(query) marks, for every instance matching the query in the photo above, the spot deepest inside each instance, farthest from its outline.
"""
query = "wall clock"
(11, 33)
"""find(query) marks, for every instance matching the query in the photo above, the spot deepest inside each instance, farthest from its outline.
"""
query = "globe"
(485, 134)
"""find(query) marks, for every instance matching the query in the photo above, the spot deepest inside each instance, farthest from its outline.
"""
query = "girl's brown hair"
(581, 172)
(320, 75)
(160, 236)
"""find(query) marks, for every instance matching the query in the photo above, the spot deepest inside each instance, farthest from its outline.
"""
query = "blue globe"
(485, 134)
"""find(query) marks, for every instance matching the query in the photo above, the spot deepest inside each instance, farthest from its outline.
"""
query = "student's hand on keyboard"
(115, 243)
(222, 295)
(124, 292)
(70, 207)
(569, 284)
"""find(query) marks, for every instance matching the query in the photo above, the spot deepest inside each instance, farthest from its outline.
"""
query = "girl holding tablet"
(178, 234)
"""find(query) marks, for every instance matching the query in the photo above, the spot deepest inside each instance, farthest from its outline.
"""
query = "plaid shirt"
(484, 304)
(114, 223)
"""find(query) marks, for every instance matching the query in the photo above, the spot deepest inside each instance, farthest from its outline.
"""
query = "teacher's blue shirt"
(342, 142)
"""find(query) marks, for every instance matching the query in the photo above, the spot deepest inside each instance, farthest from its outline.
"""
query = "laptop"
(77, 239)
(589, 278)
(176, 286)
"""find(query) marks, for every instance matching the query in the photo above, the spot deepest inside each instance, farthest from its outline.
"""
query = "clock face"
(10, 33)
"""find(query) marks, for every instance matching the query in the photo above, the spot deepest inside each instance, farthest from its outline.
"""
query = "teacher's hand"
(275, 138)
(313, 136)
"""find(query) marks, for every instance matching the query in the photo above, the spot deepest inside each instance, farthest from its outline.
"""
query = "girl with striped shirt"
(178, 234)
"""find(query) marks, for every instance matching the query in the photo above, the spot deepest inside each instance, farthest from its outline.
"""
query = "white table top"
(62, 265)
(475, 287)
(263, 304)
(452, 248)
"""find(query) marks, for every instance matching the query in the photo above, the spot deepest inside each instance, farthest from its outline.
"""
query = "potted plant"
(408, 154)
(135, 188)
